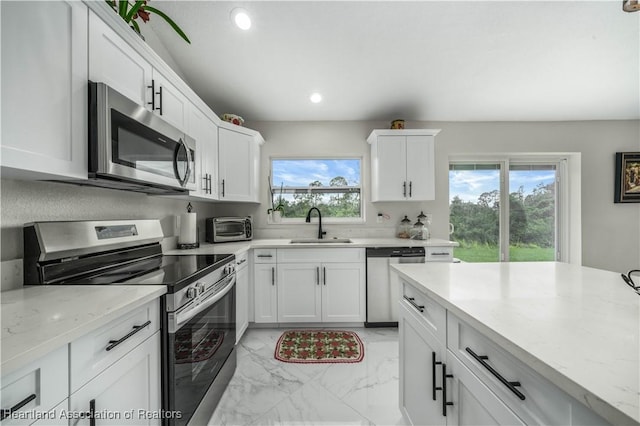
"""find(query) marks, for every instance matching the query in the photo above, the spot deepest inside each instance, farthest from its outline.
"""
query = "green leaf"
(122, 9)
(135, 26)
(112, 3)
(169, 21)
(134, 10)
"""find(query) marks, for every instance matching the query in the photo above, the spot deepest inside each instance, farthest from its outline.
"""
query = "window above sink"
(333, 185)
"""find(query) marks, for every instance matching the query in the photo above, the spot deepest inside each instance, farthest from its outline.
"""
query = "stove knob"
(192, 293)
(200, 288)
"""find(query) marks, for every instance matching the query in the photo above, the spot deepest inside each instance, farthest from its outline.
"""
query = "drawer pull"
(443, 253)
(242, 261)
(265, 255)
(414, 304)
(511, 385)
(445, 376)
(136, 328)
(433, 374)
(6, 412)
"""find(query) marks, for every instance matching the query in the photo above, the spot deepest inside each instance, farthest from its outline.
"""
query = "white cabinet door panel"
(113, 62)
(171, 104)
(391, 168)
(420, 168)
(266, 293)
(299, 292)
(343, 292)
(44, 89)
(236, 152)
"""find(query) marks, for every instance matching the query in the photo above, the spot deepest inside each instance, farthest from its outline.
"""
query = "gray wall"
(610, 232)
(31, 201)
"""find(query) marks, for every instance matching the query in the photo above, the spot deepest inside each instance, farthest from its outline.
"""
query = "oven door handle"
(180, 318)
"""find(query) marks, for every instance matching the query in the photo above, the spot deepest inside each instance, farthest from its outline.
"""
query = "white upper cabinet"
(113, 62)
(402, 165)
(44, 90)
(238, 164)
(205, 132)
(116, 63)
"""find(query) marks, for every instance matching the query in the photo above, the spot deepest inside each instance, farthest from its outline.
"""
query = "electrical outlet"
(380, 218)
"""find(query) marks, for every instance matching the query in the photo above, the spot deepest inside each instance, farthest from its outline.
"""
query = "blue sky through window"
(469, 184)
(301, 172)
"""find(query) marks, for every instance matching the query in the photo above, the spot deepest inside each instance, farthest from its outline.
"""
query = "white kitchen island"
(571, 329)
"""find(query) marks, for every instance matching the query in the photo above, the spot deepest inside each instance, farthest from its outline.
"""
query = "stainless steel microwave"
(226, 229)
(134, 149)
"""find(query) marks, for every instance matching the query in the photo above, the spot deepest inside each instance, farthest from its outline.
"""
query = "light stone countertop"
(239, 247)
(578, 327)
(39, 319)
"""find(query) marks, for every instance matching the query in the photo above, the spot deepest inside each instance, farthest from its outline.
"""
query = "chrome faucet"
(308, 220)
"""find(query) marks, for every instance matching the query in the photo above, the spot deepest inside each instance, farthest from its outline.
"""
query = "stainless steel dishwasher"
(383, 288)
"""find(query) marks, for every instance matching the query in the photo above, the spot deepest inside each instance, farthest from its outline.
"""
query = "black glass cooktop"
(172, 271)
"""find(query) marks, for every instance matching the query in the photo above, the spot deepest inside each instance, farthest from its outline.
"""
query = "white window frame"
(568, 218)
(327, 220)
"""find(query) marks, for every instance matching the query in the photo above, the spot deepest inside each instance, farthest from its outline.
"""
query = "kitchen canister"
(188, 234)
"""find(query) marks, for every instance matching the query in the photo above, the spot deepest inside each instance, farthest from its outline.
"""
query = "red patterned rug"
(319, 346)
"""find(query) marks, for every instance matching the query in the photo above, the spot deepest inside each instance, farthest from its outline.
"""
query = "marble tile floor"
(265, 391)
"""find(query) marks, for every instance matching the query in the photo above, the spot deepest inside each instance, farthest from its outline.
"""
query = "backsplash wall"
(32, 201)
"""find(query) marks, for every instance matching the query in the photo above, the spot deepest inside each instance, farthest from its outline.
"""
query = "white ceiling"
(420, 60)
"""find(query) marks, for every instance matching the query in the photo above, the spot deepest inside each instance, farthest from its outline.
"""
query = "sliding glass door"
(504, 210)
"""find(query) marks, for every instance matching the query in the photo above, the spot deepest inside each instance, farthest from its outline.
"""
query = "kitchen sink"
(321, 241)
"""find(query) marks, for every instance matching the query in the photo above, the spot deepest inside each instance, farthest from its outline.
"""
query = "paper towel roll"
(187, 229)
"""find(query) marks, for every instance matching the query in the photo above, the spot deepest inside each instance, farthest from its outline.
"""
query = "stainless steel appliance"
(133, 148)
(383, 289)
(226, 229)
(198, 312)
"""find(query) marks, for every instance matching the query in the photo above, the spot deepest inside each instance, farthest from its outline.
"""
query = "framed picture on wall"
(627, 181)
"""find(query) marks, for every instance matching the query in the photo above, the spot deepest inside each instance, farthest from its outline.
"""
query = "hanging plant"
(130, 12)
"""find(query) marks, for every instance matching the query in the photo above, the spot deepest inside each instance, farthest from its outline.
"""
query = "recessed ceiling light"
(315, 97)
(241, 18)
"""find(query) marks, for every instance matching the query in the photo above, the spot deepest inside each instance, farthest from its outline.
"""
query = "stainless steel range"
(198, 311)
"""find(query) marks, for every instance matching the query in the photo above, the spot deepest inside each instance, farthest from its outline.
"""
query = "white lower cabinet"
(419, 351)
(266, 294)
(36, 388)
(242, 294)
(309, 285)
(452, 374)
(58, 416)
(469, 401)
(128, 392)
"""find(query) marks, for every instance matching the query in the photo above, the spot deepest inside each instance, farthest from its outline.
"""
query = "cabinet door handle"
(324, 275)
(6, 412)
(160, 94)
(414, 304)
(273, 276)
(433, 373)
(206, 183)
(223, 187)
(136, 328)
(210, 186)
(410, 185)
(317, 275)
(404, 188)
(153, 95)
(511, 385)
(445, 376)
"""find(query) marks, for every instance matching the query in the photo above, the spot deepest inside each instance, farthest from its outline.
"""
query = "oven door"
(200, 340)
(130, 142)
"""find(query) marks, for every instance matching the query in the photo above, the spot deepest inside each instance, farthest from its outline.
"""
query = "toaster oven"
(227, 229)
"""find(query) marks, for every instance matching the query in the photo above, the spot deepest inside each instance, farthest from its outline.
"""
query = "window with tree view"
(332, 185)
(483, 194)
